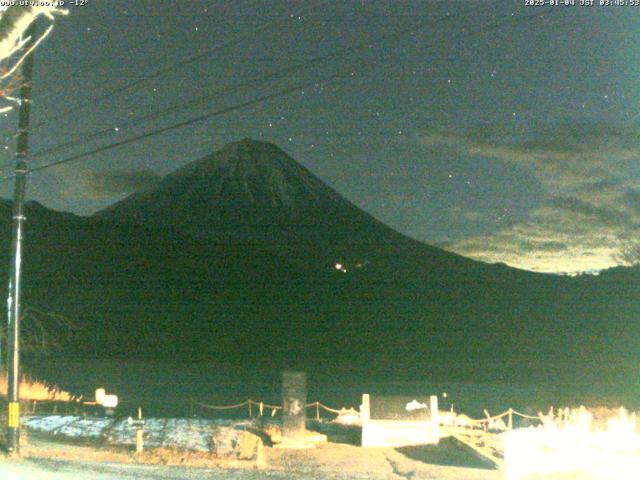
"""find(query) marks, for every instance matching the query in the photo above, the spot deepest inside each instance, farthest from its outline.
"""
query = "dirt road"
(53, 460)
(378, 464)
(47, 469)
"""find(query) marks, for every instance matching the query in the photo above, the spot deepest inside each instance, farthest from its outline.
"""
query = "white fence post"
(435, 421)
(365, 408)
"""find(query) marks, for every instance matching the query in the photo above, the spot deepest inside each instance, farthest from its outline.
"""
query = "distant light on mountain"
(246, 254)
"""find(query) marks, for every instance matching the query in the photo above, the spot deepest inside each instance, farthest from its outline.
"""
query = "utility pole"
(13, 297)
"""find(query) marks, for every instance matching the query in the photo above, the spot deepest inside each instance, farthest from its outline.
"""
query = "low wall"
(399, 432)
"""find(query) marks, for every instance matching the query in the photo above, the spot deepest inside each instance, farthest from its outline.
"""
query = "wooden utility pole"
(13, 297)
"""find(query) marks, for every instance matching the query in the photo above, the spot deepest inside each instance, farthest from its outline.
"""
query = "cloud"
(589, 214)
(590, 172)
(565, 155)
(538, 249)
(108, 184)
(78, 182)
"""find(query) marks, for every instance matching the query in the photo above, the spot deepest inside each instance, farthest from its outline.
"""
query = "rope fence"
(263, 408)
(260, 409)
(492, 420)
(222, 407)
(254, 407)
(525, 416)
(49, 406)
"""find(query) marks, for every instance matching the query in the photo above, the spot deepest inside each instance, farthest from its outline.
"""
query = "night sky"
(501, 131)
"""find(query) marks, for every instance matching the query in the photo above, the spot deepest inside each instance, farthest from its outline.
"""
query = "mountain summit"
(246, 254)
(250, 191)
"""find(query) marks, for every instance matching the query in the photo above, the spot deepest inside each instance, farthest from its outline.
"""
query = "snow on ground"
(197, 434)
(53, 460)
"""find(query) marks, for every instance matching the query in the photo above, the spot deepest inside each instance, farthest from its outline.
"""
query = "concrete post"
(435, 420)
(140, 433)
(365, 408)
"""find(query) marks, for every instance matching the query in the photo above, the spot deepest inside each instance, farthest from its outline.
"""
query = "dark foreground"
(54, 461)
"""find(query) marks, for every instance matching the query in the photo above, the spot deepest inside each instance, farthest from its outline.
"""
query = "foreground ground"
(44, 460)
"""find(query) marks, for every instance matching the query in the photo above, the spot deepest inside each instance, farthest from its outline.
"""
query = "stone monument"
(294, 399)
(294, 417)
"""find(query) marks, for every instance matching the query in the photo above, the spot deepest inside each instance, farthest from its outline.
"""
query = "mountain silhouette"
(245, 254)
(251, 191)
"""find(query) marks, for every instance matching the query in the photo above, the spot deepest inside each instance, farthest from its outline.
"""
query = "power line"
(261, 99)
(139, 81)
(285, 91)
(256, 81)
(96, 63)
(166, 69)
(184, 123)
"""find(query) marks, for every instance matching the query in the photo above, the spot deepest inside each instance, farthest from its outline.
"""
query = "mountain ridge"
(295, 278)
(253, 191)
